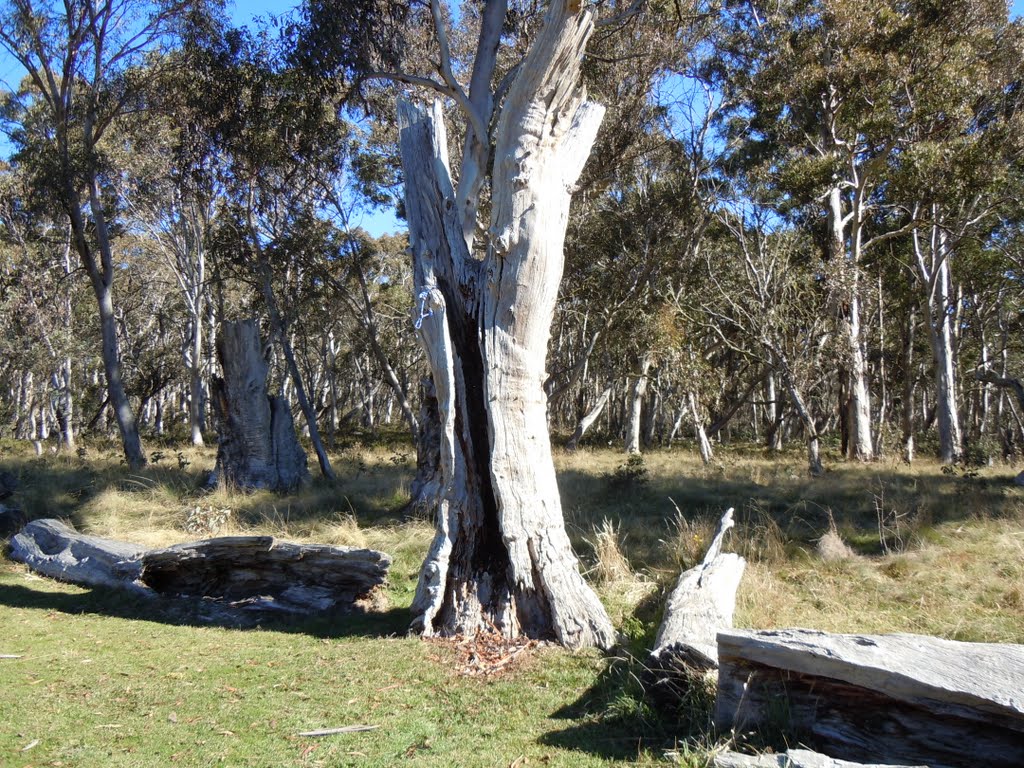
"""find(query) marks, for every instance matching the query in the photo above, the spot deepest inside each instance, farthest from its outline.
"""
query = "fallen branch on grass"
(793, 758)
(342, 729)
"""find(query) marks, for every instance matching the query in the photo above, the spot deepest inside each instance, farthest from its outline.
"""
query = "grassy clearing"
(104, 681)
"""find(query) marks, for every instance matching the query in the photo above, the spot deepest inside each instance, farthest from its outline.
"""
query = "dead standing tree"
(486, 296)
(256, 442)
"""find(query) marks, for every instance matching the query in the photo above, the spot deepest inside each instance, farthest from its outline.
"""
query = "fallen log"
(262, 572)
(251, 572)
(899, 698)
(53, 549)
(792, 758)
(701, 604)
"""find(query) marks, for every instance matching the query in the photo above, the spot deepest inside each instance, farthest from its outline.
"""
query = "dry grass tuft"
(831, 547)
(611, 565)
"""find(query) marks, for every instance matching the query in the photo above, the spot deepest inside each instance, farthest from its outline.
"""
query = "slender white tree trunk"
(707, 452)
(859, 414)
(941, 338)
(909, 382)
(636, 402)
(589, 418)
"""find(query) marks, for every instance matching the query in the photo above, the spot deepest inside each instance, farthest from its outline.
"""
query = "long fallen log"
(264, 572)
(701, 604)
(255, 572)
(898, 698)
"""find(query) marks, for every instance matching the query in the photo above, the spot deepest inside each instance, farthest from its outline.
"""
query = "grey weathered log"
(265, 573)
(902, 698)
(56, 550)
(257, 446)
(701, 604)
(792, 758)
(251, 572)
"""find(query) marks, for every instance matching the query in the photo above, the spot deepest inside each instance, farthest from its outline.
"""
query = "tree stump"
(899, 698)
(701, 605)
(257, 445)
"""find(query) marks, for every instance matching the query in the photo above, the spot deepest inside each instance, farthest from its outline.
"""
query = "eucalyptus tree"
(172, 187)
(486, 236)
(82, 60)
(770, 297)
(41, 300)
(816, 112)
(960, 162)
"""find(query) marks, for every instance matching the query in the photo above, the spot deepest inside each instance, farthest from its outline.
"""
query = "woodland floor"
(101, 680)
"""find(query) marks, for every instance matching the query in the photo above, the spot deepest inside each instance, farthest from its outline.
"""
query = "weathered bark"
(257, 446)
(906, 698)
(265, 573)
(792, 758)
(501, 557)
(701, 604)
(588, 419)
(53, 549)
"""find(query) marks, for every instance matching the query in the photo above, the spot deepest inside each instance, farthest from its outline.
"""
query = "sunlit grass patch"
(936, 552)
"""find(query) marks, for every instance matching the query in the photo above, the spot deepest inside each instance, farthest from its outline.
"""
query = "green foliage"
(630, 476)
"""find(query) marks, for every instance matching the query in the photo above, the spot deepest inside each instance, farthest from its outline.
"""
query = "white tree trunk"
(859, 413)
(501, 557)
(636, 402)
(707, 452)
(588, 420)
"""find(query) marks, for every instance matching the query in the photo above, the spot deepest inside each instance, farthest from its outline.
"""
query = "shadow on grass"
(181, 612)
(631, 710)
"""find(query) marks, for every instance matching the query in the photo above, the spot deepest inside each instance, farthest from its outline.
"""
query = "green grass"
(108, 681)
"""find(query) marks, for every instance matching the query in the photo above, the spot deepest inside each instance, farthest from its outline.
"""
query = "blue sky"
(245, 12)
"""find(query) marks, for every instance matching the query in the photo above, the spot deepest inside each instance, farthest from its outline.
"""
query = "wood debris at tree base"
(486, 654)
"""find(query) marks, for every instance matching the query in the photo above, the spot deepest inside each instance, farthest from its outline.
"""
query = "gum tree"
(487, 248)
(82, 63)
